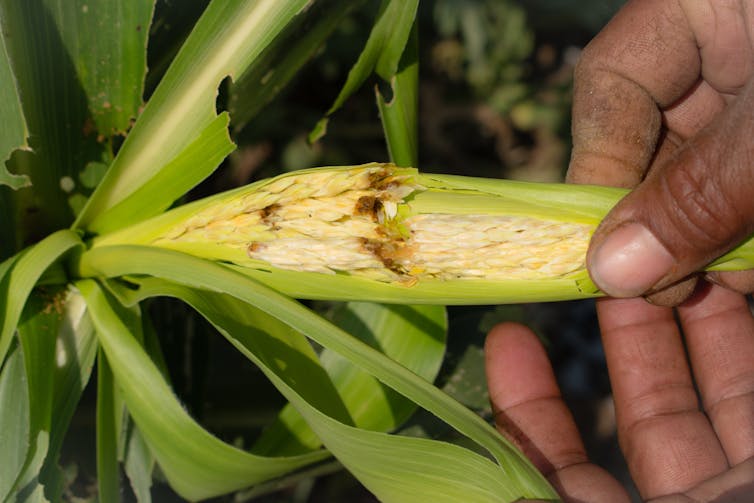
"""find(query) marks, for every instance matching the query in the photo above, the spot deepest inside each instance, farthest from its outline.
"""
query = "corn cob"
(379, 232)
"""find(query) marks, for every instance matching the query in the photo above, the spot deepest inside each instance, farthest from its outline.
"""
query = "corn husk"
(382, 233)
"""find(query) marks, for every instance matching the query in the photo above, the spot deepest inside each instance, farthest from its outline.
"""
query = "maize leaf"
(388, 234)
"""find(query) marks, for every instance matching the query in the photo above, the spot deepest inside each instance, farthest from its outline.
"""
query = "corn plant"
(90, 177)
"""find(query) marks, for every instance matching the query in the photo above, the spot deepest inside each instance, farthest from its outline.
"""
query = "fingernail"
(629, 262)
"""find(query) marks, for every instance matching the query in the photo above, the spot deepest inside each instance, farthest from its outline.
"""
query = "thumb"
(689, 210)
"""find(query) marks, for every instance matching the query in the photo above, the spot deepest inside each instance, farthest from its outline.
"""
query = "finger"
(733, 486)
(719, 331)
(738, 281)
(530, 411)
(693, 111)
(668, 443)
(723, 35)
(645, 59)
(522, 388)
(690, 210)
(674, 294)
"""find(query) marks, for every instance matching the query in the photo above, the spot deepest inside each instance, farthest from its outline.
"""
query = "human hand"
(664, 95)
(676, 449)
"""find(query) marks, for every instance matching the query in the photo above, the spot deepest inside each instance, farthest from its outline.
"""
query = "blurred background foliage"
(495, 89)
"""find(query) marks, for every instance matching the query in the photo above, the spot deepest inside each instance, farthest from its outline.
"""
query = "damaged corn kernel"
(367, 221)
(450, 246)
(377, 232)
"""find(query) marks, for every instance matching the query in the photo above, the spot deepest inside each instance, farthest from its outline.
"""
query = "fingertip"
(501, 339)
(507, 333)
(594, 168)
(512, 346)
(517, 366)
(588, 482)
(738, 281)
(629, 261)
(526, 399)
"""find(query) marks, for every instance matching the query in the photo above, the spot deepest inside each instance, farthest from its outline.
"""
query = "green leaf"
(280, 62)
(405, 469)
(55, 108)
(28, 487)
(196, 162)
(384, 47)
(201, 468)
(37, 333)
(319, 130)
(399, 114)
(107, 42)
(75, 351)
(738, 259)
(78, 65)
(108, 418)
(58, 358)
(138, 463)
(411, 335)
(398, 469)
(16, 284)
(225, 41)
(14, 416)
(395, 469)
(12, 121)
(302, 364)
(522, 479)
(381, 54)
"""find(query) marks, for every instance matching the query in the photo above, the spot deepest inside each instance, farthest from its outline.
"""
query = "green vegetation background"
(495, 79)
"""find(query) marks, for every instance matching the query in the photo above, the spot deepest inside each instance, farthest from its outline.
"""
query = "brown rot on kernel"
(368, 206)
(254, 247)
(267, 214)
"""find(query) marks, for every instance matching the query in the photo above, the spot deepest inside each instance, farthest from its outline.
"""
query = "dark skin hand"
(675, 450)
(663, 104)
